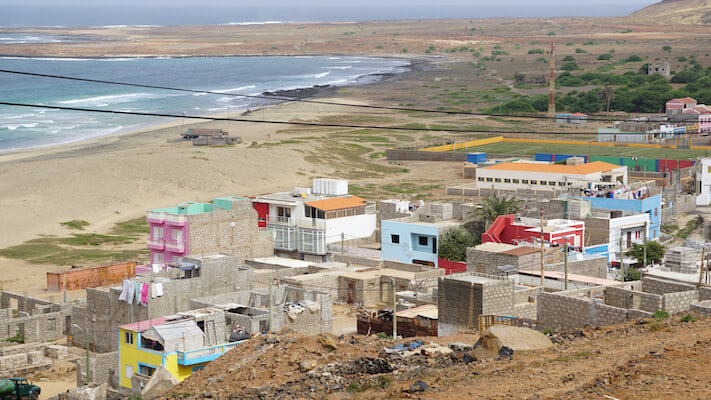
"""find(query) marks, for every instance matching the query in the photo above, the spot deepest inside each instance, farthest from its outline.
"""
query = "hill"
(652, 359)
(670, 12)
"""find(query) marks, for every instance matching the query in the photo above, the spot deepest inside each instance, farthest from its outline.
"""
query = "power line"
(294, 99)
(299, 123)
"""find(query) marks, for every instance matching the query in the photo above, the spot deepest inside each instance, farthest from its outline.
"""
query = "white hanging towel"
(155, 267)
(153, 291)
(124, 290)
(159, 289)
(131, 290)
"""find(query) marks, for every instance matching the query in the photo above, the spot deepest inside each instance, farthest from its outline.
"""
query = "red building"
(514, 230)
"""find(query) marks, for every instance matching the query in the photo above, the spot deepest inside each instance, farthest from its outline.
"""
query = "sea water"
(24, 127)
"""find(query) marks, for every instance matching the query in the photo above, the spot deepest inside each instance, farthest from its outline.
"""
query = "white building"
(703, 182)
(305, 220)
(526, 175)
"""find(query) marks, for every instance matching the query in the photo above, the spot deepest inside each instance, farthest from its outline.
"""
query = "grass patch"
(691, 226)
(660, 315)
(669, 229)
(75, 224)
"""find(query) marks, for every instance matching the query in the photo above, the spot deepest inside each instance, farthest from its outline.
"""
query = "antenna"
(551, 85)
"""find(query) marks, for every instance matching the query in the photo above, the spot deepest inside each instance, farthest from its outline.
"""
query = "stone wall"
(463, 297)
(356, 260)
(608, 315)
(594, 267)
(232, 231)
(36, 320)
(560, 312)
(704, 293)
(471, 191)
(674, 303)
(488, 262)
(103, 369)
(659, 286)
(416, 155)
(633, 299)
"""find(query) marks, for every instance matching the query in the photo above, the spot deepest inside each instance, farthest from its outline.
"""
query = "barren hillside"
(671, 12)
(654, 359)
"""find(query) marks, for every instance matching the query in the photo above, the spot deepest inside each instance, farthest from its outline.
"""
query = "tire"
(34, 396)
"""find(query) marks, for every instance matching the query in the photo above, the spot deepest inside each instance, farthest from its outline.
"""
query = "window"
(128, 338)
(656, 212)
(177, 235)
(497, 179)
(480, 179)
(534, 182)
(128, 372)
(52, 324)
(145, 370)
(506, 180)
(157, 258)
(551, 183)
(157, 232)
(524, 181)
(561, 183)
(514, 180)
(489, 179)
(395, 239)
(423, 240)
(284, 212)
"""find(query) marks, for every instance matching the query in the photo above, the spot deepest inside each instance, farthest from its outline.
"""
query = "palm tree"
(495, 206)
(607, 93)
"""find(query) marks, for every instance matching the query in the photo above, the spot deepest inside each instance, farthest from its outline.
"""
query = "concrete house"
(650, 206)
(514, 230)
(528, 175)
(305, 220)
(606, 228)
(227, 225)
(703, 182)
(179, 343)
(678, 106)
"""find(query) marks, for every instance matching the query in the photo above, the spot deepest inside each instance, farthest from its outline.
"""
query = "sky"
(184, 12)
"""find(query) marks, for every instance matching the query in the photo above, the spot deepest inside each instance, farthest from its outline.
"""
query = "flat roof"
(472, 279)
(521, 251)
(583, 169)
(376, 273)
(495, 247)
(572, 277)
(427, 310)
(282, 262)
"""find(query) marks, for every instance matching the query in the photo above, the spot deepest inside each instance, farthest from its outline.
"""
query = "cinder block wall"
(674, 303)
(659, 286)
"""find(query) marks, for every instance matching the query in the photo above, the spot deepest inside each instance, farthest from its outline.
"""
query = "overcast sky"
(180, 12)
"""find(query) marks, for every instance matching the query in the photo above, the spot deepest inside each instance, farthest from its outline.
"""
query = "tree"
(454, 243)
(495, 206)
(607, 93)
(655, 252)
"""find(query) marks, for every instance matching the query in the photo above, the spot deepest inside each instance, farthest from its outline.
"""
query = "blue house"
(651, 205)
(411, 242)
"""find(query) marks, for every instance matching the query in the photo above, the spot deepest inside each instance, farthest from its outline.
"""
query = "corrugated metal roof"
(178, 330)
(337, 203)
(427, 311)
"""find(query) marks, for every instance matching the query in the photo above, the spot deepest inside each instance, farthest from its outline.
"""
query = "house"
(178, 343)
(305, 220)
(678, 106)
(608, 229)
(651, 206)
(659, 68)
(703, 182)
(528, 175)
(616, 135)
(576, 118)
(519, 230)
(227, 225)
(209, 137)
(705, 124)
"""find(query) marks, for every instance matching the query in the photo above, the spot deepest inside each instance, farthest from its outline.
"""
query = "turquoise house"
(410, 242)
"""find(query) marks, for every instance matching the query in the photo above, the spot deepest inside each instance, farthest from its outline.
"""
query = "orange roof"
(685, 100)
(578, 114)
(584, 169)
(338, 203)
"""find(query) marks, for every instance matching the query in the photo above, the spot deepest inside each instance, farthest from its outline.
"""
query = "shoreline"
(316, 91)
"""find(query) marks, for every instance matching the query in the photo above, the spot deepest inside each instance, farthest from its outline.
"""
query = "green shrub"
(548, 332)
(75, 224)
(580, 51)
(688, 318)
(536, 51)
(668, 49)
(604, 57)
(569, 66)
(660, 315)
(568, 58)
(633, 58)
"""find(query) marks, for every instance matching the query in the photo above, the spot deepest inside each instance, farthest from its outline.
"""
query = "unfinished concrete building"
(613, 304)
(103, 312)
(33, 320)
(308, 312)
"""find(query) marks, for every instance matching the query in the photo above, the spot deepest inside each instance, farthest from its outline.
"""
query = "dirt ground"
(652, 359)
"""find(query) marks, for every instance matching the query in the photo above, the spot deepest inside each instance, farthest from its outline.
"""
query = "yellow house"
(177, 344)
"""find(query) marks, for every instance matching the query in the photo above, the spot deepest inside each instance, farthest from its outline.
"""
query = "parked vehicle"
(18, 388)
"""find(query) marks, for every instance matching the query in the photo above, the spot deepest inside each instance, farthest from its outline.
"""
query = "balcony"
(176, 220)
(155, 217)
(175, 247)
(277, 220)
(311, 223)
(206, 354)
(156, 244)
(285, 238)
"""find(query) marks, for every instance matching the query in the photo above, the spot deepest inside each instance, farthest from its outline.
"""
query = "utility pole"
(271, 283)
(551, 86)
(565, 263)
(343, 240)
(644, 261)
(622, 261)
(394, 311)
(701, 270)
(542, 258)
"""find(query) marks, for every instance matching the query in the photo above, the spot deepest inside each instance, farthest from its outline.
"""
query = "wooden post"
(565, 263)
(701, 270)
(542, 258)
(394, 311)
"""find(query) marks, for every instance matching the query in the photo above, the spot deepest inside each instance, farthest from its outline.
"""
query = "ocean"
(22, 127)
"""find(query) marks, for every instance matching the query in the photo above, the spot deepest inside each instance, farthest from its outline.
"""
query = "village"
(563, 242)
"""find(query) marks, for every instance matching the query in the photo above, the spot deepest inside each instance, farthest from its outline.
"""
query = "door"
(351, 292)
(629, 239)
(434, 245)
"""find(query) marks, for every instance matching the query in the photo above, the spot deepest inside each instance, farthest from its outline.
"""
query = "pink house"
(678, 106)
(705, 123)
(510, 229)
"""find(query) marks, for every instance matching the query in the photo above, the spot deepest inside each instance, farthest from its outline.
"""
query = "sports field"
(530, 150)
